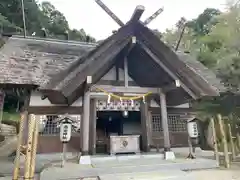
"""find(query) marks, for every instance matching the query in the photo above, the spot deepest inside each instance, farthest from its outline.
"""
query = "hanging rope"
(124, 97)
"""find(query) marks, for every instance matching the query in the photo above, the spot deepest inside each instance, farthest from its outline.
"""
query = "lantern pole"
(65, 136)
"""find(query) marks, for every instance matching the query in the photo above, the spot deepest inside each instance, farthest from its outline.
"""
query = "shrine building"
(131, 86)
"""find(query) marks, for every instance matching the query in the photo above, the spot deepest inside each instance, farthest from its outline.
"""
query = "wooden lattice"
(175, 123)
(48, 126)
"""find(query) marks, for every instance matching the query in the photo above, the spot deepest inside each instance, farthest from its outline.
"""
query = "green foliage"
(38, 16)
(202, 25)
(10, 116)
(213, 37)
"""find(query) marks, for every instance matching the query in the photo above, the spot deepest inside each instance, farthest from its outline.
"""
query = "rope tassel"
(144, 101)
(109, 98)
(132, 103)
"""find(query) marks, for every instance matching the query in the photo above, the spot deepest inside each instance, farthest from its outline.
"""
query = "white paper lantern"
(192, 129)
(65, 132)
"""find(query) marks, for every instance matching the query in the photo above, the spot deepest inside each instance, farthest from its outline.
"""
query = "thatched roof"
(31, 61)
(60, 68)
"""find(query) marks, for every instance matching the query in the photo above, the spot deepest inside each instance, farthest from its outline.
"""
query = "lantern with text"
(192, 129)
(65, 132)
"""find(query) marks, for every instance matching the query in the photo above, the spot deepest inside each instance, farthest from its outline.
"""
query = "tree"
(213, 38)
(5, 25)
(53, 20)
(81, 35)
(203, 23)
(12, 10)
(38, 16)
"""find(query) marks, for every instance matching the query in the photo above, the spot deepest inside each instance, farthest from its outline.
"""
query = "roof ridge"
(53, 40)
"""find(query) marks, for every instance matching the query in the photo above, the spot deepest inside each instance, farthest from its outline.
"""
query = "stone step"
(76, 171)
(153, 175)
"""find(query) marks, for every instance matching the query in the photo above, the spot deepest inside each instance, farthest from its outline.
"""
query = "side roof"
(33, 61)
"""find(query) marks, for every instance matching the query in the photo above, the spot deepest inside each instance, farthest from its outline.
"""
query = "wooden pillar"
(164, 121)
(2, 97)
(125, 72)
(231, 142)
(19, 146)
(26, 120)
(216, 154)
(34, 145)
(145, 123)
(150, 127)
(28, 159)
(85, 123)
(93, 125)
(224, 140)
(22, 136)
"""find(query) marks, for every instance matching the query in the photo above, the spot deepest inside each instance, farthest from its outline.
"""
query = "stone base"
(169, 155)
(85, 160)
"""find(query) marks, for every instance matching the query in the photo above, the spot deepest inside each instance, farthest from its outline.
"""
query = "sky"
(88, 15)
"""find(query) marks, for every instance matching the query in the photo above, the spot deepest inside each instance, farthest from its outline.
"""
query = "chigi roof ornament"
(135, 17)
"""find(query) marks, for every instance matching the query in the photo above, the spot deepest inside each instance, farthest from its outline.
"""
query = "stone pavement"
(155, 175)
(74, 172)
(121, 167)
(128, 167)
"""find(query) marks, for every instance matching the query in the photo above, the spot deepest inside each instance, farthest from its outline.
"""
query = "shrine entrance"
(114, 119)
(115, 123)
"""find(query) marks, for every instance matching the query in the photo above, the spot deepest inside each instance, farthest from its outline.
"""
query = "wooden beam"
(135, 89)
(166, 69)
(137, 13)
(109, 12)
(152, 17)
(130, 89)
(117, 72)
(171, 86)
(39, 110)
